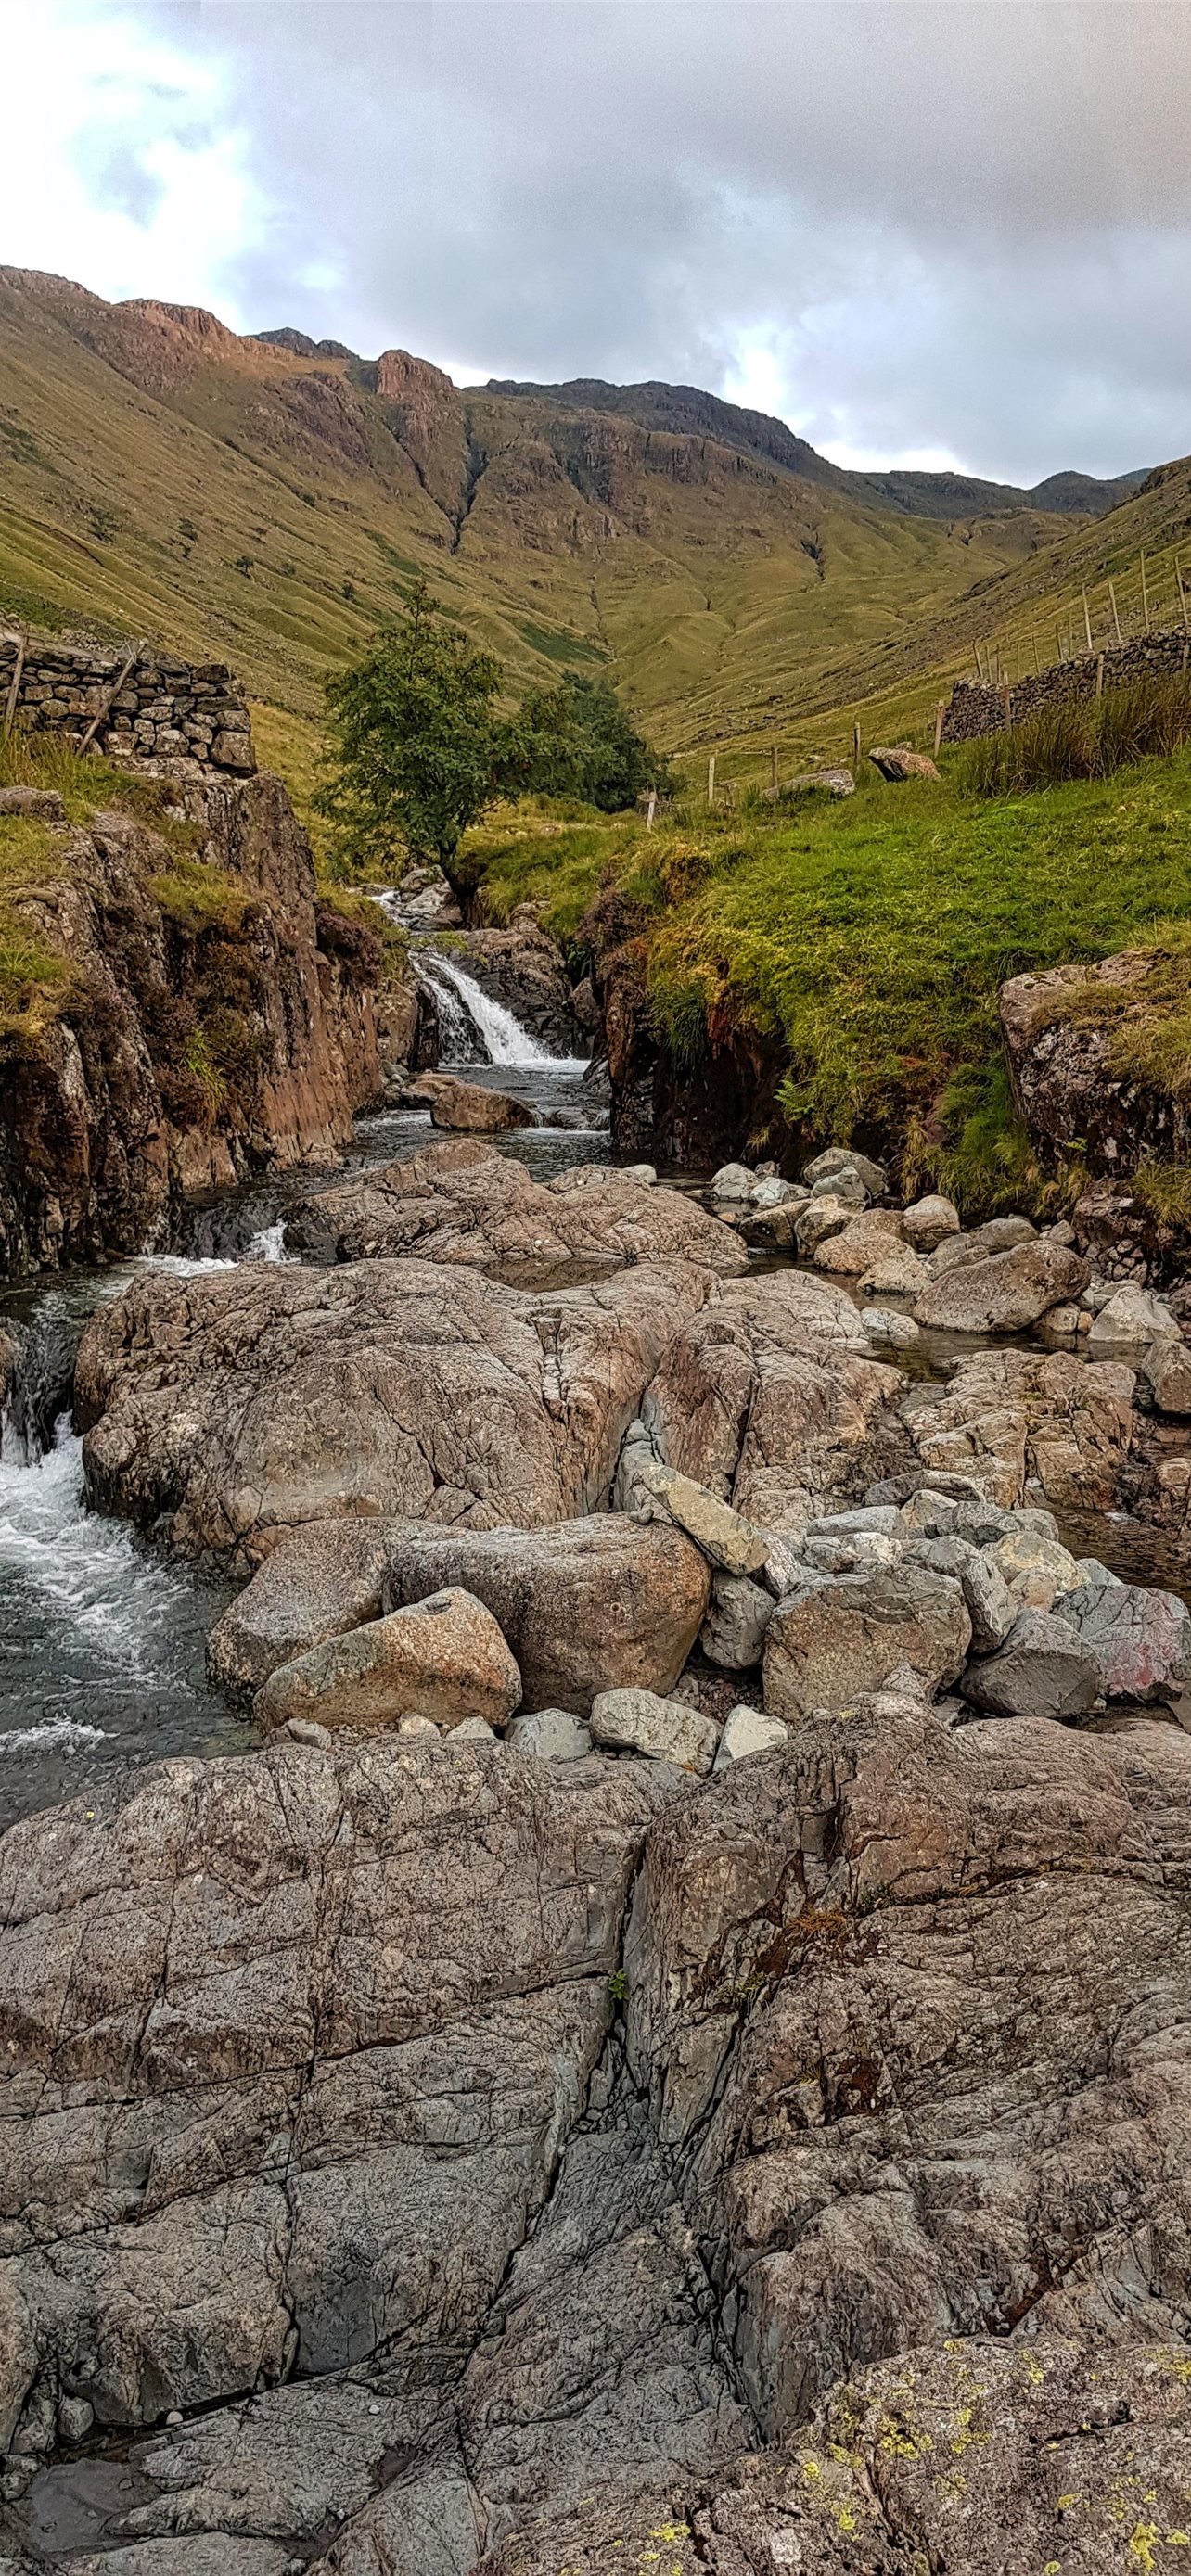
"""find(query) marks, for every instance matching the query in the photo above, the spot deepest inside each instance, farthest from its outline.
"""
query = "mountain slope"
(265, 497)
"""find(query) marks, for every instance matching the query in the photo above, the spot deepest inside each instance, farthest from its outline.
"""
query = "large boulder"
(320, 1579)
(468, 1106)
(597, 1604)
(1043, 1669)
(838, 1635)
(772, 1399)
(466, 1203)
(1005, 1292)
(930, 1221)
(997, 1234)
(859, 1244)
(228, 1406)
(444, 1658)
(896, 763)
(1141, 1639)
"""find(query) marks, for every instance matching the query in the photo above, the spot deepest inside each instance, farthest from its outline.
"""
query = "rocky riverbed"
(662, 2039)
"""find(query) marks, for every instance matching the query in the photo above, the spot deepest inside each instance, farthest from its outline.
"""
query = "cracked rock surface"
(483, 2158)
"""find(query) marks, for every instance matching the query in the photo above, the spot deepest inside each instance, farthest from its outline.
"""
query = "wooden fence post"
(773, 764)
(856, 745)
(1087, 623)
(1145, 596)
(10, 704)
(1115, 618)
(711, 780)
(109, 701)
(1099, 676)
(940, 712)
(1178, 574)
(651, 809)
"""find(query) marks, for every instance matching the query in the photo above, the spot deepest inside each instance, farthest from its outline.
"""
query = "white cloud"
(125, 164)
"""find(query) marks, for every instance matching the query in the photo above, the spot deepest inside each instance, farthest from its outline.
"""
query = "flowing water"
(101, 1639)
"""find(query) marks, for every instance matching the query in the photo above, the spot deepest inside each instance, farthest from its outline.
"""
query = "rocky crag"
(215, 1016)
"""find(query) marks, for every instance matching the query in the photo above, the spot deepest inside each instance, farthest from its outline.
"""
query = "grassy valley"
(265, 501)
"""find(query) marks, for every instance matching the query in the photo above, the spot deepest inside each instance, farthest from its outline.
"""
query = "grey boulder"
(1141, 1639)
(552, 1734)
(733, 1633)
(1004, 1293)
(1043, 1670)
(666, 1730)
(840, 1635)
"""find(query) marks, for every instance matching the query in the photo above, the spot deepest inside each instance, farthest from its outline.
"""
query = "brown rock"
(598, 1604)
(469, 1106)
(465, 1203)
(233, 1405)
(839, 1635)
(444, 1658)
(898, 762)
(316, 1582)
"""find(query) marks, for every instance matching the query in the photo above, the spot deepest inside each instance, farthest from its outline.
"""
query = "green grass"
(868, 940)
(1081, 738)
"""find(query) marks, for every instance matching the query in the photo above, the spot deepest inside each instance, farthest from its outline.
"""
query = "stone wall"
(187, 718)
(974, 709)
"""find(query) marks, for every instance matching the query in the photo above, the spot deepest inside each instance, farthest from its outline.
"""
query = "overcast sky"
(923, 231)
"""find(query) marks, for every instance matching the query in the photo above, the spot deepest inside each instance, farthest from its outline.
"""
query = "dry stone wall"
(974, 708)
(188, 718)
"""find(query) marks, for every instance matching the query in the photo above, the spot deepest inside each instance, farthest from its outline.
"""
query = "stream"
(101, 1639)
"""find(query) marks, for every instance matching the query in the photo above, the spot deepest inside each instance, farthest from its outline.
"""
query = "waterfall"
(501, 1037)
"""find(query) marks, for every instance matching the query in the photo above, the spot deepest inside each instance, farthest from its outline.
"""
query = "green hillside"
(265, 499)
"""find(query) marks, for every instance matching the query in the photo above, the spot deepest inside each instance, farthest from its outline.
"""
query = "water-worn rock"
(820, 1218)
(317, 1582)
(884, 1324)
(592, 1605)
(469, 1106)
(1018, 1420)
(237, 1403)
(773, 1401)
(1036, 1568)
(844, 1158)
(1043, 1670)
(1005, 1292)
(1166, 1373)
(666, 1730)
(998, 1234)
(552, 1734)
(732, 1181)
(733, 1633)
(860, 1244)
(929, 1221)
(748, 1731)
(1141, 1639)
(1129, 1320)
(463, 1202)
(895, 1271)
(444, 1657)
(841, 1634)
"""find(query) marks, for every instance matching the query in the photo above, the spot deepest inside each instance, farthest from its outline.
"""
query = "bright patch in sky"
(123, 165)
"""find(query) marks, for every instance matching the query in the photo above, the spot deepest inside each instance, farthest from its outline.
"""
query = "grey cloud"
(954, 226)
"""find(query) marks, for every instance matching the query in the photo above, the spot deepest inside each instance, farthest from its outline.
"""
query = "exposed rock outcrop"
(223, 1408)
(1066, 1036)
(465, 1203)
(501, 2265)
(215, 1020)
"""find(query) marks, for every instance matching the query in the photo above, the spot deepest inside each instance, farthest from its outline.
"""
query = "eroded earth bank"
(667, 2047)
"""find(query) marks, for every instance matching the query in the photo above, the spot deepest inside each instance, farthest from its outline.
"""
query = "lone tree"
(578, 741)
(418, 749)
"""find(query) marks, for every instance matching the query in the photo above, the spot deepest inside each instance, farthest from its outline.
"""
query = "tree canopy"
(418, 747)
